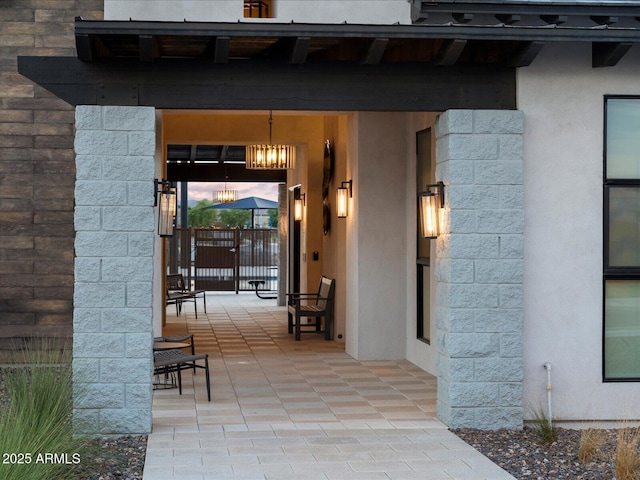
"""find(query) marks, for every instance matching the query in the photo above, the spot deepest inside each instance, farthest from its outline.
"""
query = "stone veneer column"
(114, 221)
(480, 269)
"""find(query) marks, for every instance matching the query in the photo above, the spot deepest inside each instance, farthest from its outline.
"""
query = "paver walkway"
(305, 410)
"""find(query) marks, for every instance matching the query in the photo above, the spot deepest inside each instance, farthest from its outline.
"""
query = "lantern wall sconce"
(166, 198)
(430, 206)
(270, 157)
(298, 207)
(342, 200)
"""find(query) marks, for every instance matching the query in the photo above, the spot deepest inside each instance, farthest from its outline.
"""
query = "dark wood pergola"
(455, 54)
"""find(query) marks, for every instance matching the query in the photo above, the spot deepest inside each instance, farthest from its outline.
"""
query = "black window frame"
(613, 272)
(421, 243)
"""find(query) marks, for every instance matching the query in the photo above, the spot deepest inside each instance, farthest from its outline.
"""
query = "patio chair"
(178, 293)
(312, 305)
(167, 362)
(183, 337)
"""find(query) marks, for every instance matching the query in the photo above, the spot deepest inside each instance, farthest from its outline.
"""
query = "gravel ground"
(519, 453)
(117, 459)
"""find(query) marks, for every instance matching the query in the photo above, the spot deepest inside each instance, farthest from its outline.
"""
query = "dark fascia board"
(532, 8)
(326, 86)
(294, 30)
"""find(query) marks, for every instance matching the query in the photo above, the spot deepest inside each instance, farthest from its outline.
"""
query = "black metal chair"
(167, 362)
(178, 293)
(183, 337)
(312, 305)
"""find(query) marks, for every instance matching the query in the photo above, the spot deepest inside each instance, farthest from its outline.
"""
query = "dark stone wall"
(37, 173)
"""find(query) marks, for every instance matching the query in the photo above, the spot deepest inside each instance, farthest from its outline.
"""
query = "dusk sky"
(200, 190)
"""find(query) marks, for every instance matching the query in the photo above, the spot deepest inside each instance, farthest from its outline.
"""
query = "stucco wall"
(376, 233)
(562, 100)
(301, 11)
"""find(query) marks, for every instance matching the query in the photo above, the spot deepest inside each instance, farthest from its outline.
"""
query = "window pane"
(623, 141)
(622, 329)
(424, 303)
(423, 178)
(624, 227)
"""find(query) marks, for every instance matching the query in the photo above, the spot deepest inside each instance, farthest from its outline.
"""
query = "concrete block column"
(480, 269)
(113, 291)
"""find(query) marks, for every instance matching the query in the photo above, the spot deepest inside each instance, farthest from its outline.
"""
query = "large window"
(621, 343)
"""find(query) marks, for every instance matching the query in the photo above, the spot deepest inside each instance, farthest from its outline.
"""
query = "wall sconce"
(298, 205)
(430, 205)
(342, 201)
(167, 199)
(270, 157)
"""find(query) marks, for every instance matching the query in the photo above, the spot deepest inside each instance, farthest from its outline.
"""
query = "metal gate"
(225, 259)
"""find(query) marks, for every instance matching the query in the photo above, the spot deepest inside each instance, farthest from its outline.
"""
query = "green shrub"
(544, 428)
(36, 433)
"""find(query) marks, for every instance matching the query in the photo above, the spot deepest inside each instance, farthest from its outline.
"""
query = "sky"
(204, 190)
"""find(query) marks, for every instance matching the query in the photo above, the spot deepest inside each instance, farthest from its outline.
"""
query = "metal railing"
(225, 259)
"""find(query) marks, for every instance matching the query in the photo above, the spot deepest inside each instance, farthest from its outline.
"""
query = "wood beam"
(216, 172)
(221, 50)
(508, 18)
(84, 48)
(299, 50)
(375, 51)
(450, 52)
(462, 17)
(146, 48)
(604, 19)
(185, 83)
(525, 54)
(554, 19)
(608, 54)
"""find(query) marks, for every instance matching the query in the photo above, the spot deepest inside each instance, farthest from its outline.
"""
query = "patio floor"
(282, 409)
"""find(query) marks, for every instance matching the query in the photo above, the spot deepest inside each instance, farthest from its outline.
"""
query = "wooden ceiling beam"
(525, 54)
(450, 52)
(462, 17)
(84, 48)
(375, 51)
(607, 54)
(221, 50)
(604, 19)
(146, 48)
(299, 50)
(508, 18)
(216, 172)
(554, 19)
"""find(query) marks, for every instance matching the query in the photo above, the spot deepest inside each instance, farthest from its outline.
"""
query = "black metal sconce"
(167, 199)
(342, 201)
(298, 207)
(430, 205)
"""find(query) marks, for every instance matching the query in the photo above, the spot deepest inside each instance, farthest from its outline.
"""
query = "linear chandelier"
(270, 157)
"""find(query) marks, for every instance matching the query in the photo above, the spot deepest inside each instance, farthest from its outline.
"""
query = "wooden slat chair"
(166, 362)
(313, 305)
(178, 293)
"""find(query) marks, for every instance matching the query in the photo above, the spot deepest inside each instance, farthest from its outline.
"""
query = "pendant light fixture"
(270, 157)
(226, 195)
